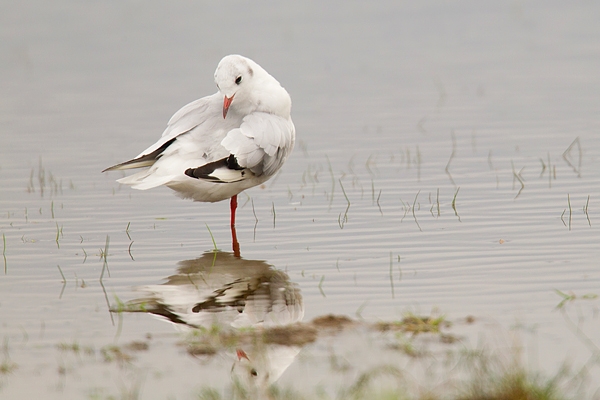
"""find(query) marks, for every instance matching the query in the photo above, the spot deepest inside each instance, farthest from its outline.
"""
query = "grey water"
(447, 161)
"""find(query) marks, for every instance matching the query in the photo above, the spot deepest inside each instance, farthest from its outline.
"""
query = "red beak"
(226, 104)
(241, 353)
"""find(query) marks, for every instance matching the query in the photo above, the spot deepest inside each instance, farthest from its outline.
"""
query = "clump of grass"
(116, 354)
(363, 386)
(64, 282)
(321, 286)
(137, 345)
(371, 164)
(486, 381)
(585, 210)
(59, 234)
(332, 322)
(273, 213)
(518, 177)
(7, 367)
(507, 384)
(332, 181)
(436, 204)
(127, 230)
(513, 383)
(210, 341)
(570, 213)
(209, 394)
(473, 375)
(129, 251)
(75, 348)
(45, 180)
(104, 257)
(415, 324)
(413, 211)
(342, 220)
(567, 156)
(215, 248)
(570, 297)
(294, 335)
(255, 218)
(379, 205)
(454, 204)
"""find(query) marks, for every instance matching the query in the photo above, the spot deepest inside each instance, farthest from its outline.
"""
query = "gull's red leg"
(234, 242)
(233, 207)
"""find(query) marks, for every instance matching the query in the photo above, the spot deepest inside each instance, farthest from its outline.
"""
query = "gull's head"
(246, 87)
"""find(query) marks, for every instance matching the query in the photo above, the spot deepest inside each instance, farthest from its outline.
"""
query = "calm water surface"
(448, 160)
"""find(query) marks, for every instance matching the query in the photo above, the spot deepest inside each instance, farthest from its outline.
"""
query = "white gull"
(217, 146)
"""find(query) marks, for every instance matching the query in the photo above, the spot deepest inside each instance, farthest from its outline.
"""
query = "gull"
(220, 292)
(217, 146)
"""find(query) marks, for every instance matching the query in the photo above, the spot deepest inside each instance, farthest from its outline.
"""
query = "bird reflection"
(222, 290)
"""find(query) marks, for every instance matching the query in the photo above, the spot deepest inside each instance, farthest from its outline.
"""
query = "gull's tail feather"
(135, 163)
(144, 180)
(143, 160)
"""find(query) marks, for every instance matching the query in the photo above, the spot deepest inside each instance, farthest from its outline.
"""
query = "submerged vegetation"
(461, 374)
(452, 372)
(487, 379)
(415, 324)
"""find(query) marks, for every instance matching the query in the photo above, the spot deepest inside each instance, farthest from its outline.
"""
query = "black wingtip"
(142, 161)
(205, 171)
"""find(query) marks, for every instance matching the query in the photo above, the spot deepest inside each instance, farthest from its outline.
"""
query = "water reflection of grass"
(452, 370)
(509, 384)
(473, 375)
(415, 324)
(570, 297)
(45, 181)
(485, 378)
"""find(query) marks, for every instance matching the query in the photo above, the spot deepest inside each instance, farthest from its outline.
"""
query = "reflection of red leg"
(234, 242)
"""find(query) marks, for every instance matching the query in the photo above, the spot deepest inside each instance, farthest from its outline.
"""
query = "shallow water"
(408, 109)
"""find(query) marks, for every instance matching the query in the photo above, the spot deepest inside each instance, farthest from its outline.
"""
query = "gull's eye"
(238, 80)
(253, 372)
